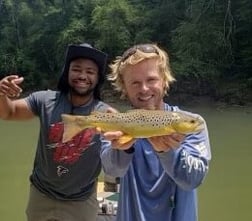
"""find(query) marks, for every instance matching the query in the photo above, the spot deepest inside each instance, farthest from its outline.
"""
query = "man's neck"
(77, 100)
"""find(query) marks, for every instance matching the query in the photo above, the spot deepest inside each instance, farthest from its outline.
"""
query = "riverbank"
(185, 100)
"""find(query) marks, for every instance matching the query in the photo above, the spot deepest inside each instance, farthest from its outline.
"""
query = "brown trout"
(134, 123)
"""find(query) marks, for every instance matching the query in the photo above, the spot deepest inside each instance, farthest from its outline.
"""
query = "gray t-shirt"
(65, 171)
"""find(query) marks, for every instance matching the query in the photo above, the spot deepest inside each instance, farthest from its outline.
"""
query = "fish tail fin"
(124, 139)
(71, 128)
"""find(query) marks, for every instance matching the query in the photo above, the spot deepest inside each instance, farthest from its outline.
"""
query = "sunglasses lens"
(146, 48)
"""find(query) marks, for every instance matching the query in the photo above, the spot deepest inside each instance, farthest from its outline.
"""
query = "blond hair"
(135, 55)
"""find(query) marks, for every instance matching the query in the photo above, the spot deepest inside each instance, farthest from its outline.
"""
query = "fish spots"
(136, 123)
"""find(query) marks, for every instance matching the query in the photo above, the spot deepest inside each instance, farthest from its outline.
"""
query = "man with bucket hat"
(64, 177)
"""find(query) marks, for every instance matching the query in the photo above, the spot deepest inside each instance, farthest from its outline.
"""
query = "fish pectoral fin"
(124, 139)
(169, 130)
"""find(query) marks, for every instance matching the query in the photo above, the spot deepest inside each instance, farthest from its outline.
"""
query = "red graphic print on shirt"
(69, 152)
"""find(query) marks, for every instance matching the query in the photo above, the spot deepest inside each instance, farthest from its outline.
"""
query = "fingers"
(165, 143)
(117, 145)
(9, 86)
(112, 135)
(18, 80)
(177, 137)
(111, 110)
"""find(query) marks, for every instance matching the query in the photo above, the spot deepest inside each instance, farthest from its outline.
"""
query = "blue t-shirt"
(159, 186)
(65, 171)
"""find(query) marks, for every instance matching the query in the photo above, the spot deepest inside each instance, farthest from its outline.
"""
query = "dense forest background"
(209, 41)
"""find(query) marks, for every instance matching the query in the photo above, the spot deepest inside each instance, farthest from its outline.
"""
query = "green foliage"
(242, 38)
(209, 42)
(112, 21)
(200, 45)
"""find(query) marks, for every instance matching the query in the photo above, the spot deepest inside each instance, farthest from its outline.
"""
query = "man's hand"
(9, 86)
(165, 143)
(114, 137)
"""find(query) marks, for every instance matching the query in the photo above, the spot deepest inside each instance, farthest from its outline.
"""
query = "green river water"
(226, 194)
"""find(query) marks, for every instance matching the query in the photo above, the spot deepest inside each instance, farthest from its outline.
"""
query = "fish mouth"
(199, 127)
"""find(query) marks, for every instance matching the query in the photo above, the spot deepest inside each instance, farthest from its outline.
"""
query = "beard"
(83, 93)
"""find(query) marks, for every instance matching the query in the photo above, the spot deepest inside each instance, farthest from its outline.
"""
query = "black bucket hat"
(84, 50)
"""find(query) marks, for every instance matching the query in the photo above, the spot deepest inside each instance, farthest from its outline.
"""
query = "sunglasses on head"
(146, 48)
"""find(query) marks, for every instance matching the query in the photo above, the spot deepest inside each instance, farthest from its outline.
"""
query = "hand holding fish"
(115, 138)
(9, 86)
(167, 142)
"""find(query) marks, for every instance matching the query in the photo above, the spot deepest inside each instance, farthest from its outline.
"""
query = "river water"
(225, 195)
